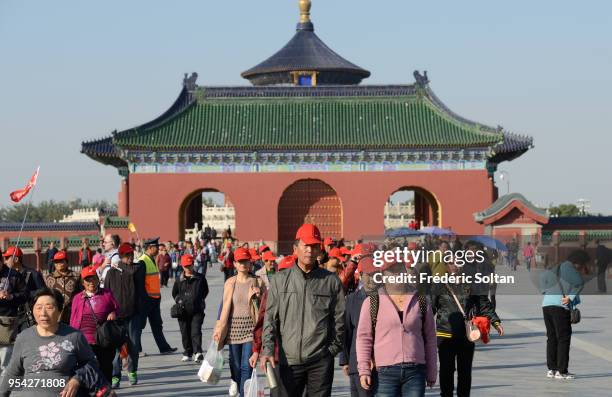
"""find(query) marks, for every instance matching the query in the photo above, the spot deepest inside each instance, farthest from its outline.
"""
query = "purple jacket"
(103, 304)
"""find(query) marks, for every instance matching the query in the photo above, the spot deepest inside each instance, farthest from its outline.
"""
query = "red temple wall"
(156, 200)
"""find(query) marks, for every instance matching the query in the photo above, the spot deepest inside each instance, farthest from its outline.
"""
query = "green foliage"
(50, 210)
(564, 210)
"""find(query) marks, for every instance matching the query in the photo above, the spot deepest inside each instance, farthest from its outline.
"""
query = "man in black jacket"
(190, 293)
(33, 281)
(13, 293)
(354, 301)
(123, 281)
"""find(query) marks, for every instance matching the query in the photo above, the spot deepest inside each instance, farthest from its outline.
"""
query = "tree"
(50, 210)
(564, 210)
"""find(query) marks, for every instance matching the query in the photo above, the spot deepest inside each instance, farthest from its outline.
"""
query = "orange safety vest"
(152, 285)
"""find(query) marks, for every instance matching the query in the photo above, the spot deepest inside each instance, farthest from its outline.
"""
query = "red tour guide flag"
(18, 195)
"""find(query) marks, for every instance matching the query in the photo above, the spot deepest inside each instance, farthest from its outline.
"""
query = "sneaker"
(198, 358)
(115, 382)
(142, 354)
(133, 378)
(186, 358)
(169, 351)
(566, 376)
(233, 390)
(550, 373)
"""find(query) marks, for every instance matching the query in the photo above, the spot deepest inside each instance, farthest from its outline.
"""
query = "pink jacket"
(103, 304)
(395, 342)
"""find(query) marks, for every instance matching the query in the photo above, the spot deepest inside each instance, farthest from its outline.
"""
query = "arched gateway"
(312, 201)
(307, 116)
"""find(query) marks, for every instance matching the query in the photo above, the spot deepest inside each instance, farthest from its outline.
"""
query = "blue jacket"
(570, 279)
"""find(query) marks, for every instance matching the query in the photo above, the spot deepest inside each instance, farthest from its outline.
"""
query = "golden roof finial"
(305, 11)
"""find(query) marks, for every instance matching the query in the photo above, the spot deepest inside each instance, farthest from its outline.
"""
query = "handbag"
(7, 329)
(575, 315)
(472, 332)
(109, 334)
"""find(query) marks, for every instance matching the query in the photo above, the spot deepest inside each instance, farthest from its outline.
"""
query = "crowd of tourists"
(291, 315)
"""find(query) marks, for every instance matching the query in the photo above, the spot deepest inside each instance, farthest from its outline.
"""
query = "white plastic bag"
(254, 387)
(212, 365)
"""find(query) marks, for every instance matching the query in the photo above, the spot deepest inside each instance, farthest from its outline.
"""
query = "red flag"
(18, 195)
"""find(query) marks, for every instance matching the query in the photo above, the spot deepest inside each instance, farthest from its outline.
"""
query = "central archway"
(412, 203)
(308, 201)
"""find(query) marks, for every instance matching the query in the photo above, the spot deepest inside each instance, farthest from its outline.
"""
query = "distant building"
(82, 215)
(219, 218)
(398, 214)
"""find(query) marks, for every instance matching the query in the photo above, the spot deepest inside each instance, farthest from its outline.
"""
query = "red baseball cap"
(187, 260)
(328, 241)
(364, 249)
(242, 254)
(254, 255)
(268, 256)
(263, 249)
(309, 234)
(125, 249)
(10, 251)
(88, 271)
(287, 262)
(345, 251)
(366, 265)
(60, 256)
(336, 253)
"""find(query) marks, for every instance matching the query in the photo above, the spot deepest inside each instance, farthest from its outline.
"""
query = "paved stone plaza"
(514, 365)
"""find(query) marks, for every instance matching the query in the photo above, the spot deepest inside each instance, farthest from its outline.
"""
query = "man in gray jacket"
(305, 315)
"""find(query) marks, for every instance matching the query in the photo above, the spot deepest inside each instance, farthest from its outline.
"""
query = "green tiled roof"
(309, 123)
(116, 222)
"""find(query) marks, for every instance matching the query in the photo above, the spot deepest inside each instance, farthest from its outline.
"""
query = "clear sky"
(76, 70)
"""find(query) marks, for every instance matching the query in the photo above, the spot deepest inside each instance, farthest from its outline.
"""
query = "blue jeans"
(401, 380)
(239, 363)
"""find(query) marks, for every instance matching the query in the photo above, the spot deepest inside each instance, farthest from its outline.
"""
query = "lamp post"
(504, 176)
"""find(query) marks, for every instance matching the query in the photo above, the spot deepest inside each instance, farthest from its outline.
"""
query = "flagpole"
(25, 216)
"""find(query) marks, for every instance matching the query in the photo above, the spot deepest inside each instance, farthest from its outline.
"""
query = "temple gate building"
(306, 142)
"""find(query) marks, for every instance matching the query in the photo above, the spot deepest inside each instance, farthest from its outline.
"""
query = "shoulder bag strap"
(88, 299)
(456, 300)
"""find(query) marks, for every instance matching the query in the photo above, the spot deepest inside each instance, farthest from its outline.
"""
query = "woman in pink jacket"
(90, 308)
(402, 342)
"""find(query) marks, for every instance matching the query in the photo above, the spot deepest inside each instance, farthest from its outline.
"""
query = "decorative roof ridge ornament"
(305, 22)
(190, 82)
(421, 79)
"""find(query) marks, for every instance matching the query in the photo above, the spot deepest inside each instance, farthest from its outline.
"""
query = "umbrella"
(490, 242)
(402, 232)
(436, 231)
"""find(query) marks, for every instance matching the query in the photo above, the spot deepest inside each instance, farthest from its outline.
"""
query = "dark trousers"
(602, 273)
(151, 311)
(191, 333)
(357, 390)
(317, 377)
(558, 337)
(461, 352)
(105, 360)
(164, 275)
(134, 331)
